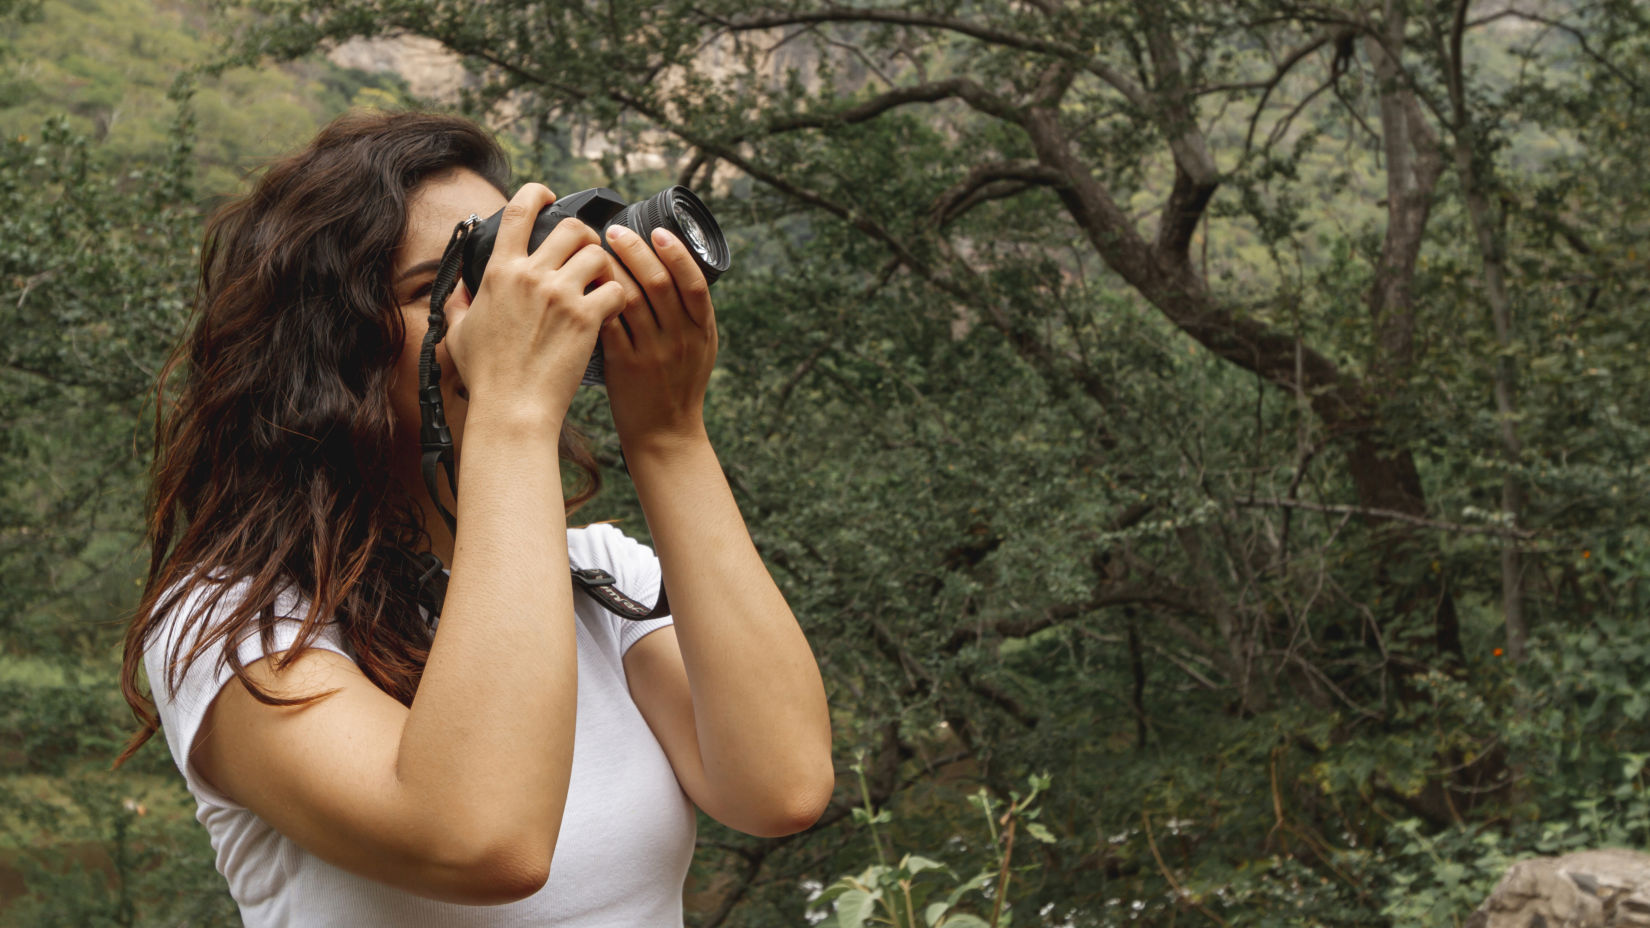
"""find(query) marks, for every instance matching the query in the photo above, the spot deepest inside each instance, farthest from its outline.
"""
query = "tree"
(95, 276)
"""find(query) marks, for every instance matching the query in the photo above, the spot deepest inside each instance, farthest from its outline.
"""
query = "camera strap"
(437, 442)
(433, 434)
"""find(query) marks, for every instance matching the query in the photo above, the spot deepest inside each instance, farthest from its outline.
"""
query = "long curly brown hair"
(272, 461)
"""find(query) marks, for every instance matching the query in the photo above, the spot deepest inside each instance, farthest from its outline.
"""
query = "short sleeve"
(635, 570)
(181, 710)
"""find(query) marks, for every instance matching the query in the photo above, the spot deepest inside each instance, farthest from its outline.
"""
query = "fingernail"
(617, 233)
(663, 238)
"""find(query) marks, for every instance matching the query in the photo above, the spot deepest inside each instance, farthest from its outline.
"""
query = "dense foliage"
(1225, 417)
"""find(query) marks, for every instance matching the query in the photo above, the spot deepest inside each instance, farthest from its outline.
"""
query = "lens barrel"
(685, 216)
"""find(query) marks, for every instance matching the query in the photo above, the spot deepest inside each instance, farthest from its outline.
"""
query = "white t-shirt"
(626, 836)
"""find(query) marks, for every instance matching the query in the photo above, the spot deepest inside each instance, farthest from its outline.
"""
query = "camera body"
(674, 208)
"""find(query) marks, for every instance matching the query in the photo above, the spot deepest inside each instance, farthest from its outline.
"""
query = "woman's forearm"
(758, 701)
(490, 731)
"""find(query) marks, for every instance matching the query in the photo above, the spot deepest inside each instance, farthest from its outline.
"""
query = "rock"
(1608, 888)
(430, 70)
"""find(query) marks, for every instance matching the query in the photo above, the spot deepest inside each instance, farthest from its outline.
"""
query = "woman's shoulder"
(202, 619)
(635, 571)
(204, 599)
(604, 545)
(204, 615)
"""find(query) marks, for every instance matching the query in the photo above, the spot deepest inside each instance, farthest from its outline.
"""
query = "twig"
(1575, 34)
(1009, 821)
(1392, 515)
(1167, 875)
(30, 283)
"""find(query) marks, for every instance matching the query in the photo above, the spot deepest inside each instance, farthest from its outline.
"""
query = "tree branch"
(1116, 79)
(1579, 36)
(1342, 39)
(1391, 515)
(1413, 166)
(1195, 174)
(972, 190)
(958, 87)
(1280, 70)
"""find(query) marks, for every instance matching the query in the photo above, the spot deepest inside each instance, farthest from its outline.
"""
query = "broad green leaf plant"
(922, 892)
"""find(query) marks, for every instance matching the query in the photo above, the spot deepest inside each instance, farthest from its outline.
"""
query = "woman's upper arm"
(658, 683)
(324, 774)
(659, 686)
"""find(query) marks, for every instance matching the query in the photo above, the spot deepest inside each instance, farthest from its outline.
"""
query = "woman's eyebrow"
(419, 268)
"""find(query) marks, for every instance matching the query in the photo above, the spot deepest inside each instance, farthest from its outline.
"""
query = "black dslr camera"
(675, 209)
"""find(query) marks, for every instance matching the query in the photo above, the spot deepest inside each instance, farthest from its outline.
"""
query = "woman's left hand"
(658, 362)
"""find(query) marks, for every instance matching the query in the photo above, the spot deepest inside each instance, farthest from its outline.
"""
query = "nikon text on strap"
(437, 442)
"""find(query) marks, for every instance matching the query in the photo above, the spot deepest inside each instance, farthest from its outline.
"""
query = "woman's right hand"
(522, 345)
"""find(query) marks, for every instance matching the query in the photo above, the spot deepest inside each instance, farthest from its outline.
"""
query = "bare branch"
(857, 52)
(1280, 70)
(1185, 666)
(1574, 33)
(1119, 81)
(1413, 167)
(995, 190)
(1282, 125)
(1391, 515)
(956, 87)
(1195, 174)
(686, 177)
(971, 190)
(1341, 37)
(1181, 893)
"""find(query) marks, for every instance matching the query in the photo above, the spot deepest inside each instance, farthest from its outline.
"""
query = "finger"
(563, 242)
(453, 339)
(633, 295)
(615, 337)
(692, 290)
(608, 299)
(520, 213)
(588, 266)
(654, 278)
(450, 354)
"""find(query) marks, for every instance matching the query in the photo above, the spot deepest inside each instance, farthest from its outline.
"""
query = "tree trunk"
(1486, 229)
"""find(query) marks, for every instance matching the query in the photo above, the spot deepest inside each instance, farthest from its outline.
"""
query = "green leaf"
(854, 907)
(915, 864)
(1040, 832)
(979, 881)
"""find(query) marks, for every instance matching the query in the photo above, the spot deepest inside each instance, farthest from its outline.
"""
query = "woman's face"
(432, 212)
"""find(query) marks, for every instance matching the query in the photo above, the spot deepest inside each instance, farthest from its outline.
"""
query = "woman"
(352, 765)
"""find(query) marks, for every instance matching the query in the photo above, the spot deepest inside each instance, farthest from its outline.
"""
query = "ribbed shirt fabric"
(626, 836)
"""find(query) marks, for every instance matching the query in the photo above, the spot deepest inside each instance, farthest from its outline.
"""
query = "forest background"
(1203, 440)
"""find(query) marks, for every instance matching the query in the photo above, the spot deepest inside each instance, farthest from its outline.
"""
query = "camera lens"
(685, 216)
(693, 235)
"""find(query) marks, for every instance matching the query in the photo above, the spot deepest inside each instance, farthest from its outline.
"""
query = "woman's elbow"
(491, 872)
(801, 805)
(802, 815)
(508, 876)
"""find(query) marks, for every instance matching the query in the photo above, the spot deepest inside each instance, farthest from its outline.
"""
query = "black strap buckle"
(600, 586)
(593, 576)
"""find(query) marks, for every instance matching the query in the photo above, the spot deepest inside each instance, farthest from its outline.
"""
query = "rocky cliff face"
(431, 72)
(434, 73)
(1607, 888)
